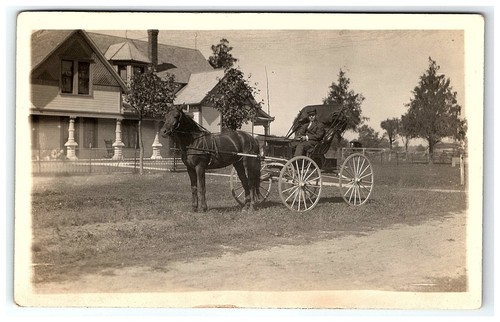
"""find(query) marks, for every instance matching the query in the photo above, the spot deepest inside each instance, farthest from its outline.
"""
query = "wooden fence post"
(462, 170)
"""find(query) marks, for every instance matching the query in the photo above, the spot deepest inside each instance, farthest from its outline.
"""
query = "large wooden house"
(77, 83)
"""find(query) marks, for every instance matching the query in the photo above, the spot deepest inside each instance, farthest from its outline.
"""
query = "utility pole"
(268, 103)
(267, 87)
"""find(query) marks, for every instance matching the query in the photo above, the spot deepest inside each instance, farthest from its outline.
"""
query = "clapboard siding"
(103, 99)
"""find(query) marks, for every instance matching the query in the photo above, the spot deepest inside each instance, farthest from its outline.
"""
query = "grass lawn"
(84, 223)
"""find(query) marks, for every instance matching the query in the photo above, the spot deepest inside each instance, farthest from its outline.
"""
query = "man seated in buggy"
(309, 134)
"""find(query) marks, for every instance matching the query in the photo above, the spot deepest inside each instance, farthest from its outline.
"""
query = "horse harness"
(202, 146)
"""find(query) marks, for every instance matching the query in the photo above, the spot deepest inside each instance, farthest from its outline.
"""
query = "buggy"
(300, 178)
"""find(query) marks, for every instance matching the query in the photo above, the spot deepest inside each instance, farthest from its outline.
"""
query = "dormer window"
(122, 71)
(75, 77)
(138, 70)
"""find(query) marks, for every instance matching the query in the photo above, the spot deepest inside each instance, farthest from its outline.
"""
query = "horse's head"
(172, 121)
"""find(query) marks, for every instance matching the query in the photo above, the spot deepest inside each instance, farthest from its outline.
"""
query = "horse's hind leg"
(194, 187)
(240, 169)
(200, 174)
(252, 166)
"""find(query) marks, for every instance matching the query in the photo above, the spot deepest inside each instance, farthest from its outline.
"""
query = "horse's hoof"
(195, 209)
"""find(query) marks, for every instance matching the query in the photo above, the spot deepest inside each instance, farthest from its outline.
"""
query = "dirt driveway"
(430, 257)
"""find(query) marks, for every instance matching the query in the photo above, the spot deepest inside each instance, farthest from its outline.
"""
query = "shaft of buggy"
(240, 154)
(261, 157)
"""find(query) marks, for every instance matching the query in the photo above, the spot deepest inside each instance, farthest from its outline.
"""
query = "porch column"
(71, 144)
(266, 129)
(118, 145)
(156, 148)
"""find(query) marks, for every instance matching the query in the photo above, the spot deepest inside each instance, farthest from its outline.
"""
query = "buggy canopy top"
(328, 114)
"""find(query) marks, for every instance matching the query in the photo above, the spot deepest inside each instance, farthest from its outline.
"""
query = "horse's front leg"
(194, 187)
(200, 174)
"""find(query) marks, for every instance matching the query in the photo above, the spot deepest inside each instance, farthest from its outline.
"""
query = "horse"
(202, 150)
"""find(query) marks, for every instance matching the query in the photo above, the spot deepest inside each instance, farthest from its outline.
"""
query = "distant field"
(84, 223)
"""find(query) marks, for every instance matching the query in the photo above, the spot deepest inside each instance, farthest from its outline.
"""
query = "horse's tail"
(253, 165)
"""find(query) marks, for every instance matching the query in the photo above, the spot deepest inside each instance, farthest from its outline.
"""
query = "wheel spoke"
(311, 181)
(293, 193)
(288, 189)
(306, 178)
(366, 175)
(296, 193)
(349, 172)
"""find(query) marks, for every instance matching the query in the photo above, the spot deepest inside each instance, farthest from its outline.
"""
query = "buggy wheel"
(300, 184)
(238, 192)
(356, 179)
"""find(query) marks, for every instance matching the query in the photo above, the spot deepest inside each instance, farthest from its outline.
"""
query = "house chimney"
(153, 46)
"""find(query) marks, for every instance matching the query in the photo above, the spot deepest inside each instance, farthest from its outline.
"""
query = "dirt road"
(430, 257)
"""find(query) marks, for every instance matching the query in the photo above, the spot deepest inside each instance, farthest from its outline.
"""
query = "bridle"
(176, 126)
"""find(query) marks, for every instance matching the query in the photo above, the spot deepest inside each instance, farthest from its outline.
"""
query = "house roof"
(183, 61)
(46, 42)
(199, 85)
(180, 61)
(126, 51)
(262, 117)
(181, 74)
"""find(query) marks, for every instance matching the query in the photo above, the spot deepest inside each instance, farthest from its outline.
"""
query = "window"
(138, 69)
(75, 77)
(122, 71)
(67, 76)
(83, 78)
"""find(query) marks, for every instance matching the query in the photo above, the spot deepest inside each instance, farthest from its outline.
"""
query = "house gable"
(73, 45)
(100, 91)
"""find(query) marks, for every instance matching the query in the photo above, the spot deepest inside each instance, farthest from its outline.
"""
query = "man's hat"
(312, 112)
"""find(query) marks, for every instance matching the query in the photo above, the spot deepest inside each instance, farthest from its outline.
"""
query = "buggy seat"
(335, 124)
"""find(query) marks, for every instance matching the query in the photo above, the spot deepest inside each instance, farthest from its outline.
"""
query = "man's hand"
(301, 138)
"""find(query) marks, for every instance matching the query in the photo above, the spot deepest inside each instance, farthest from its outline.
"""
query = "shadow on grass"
(331, 200)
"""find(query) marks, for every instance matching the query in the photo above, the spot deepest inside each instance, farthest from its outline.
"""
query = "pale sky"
(384, 66)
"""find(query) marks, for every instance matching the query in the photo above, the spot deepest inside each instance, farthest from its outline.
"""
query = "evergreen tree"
(222, 58)
(339, 93)
(433, 112)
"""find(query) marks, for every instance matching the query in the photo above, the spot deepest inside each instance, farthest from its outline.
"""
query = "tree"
(433, 112)
(339, 93)
(368, 137)
(404, 131)
(149, 96)
(234, 98)
(222, 57)
(391, 127)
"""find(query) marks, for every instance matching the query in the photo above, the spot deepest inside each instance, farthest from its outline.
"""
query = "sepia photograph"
(249, 160)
